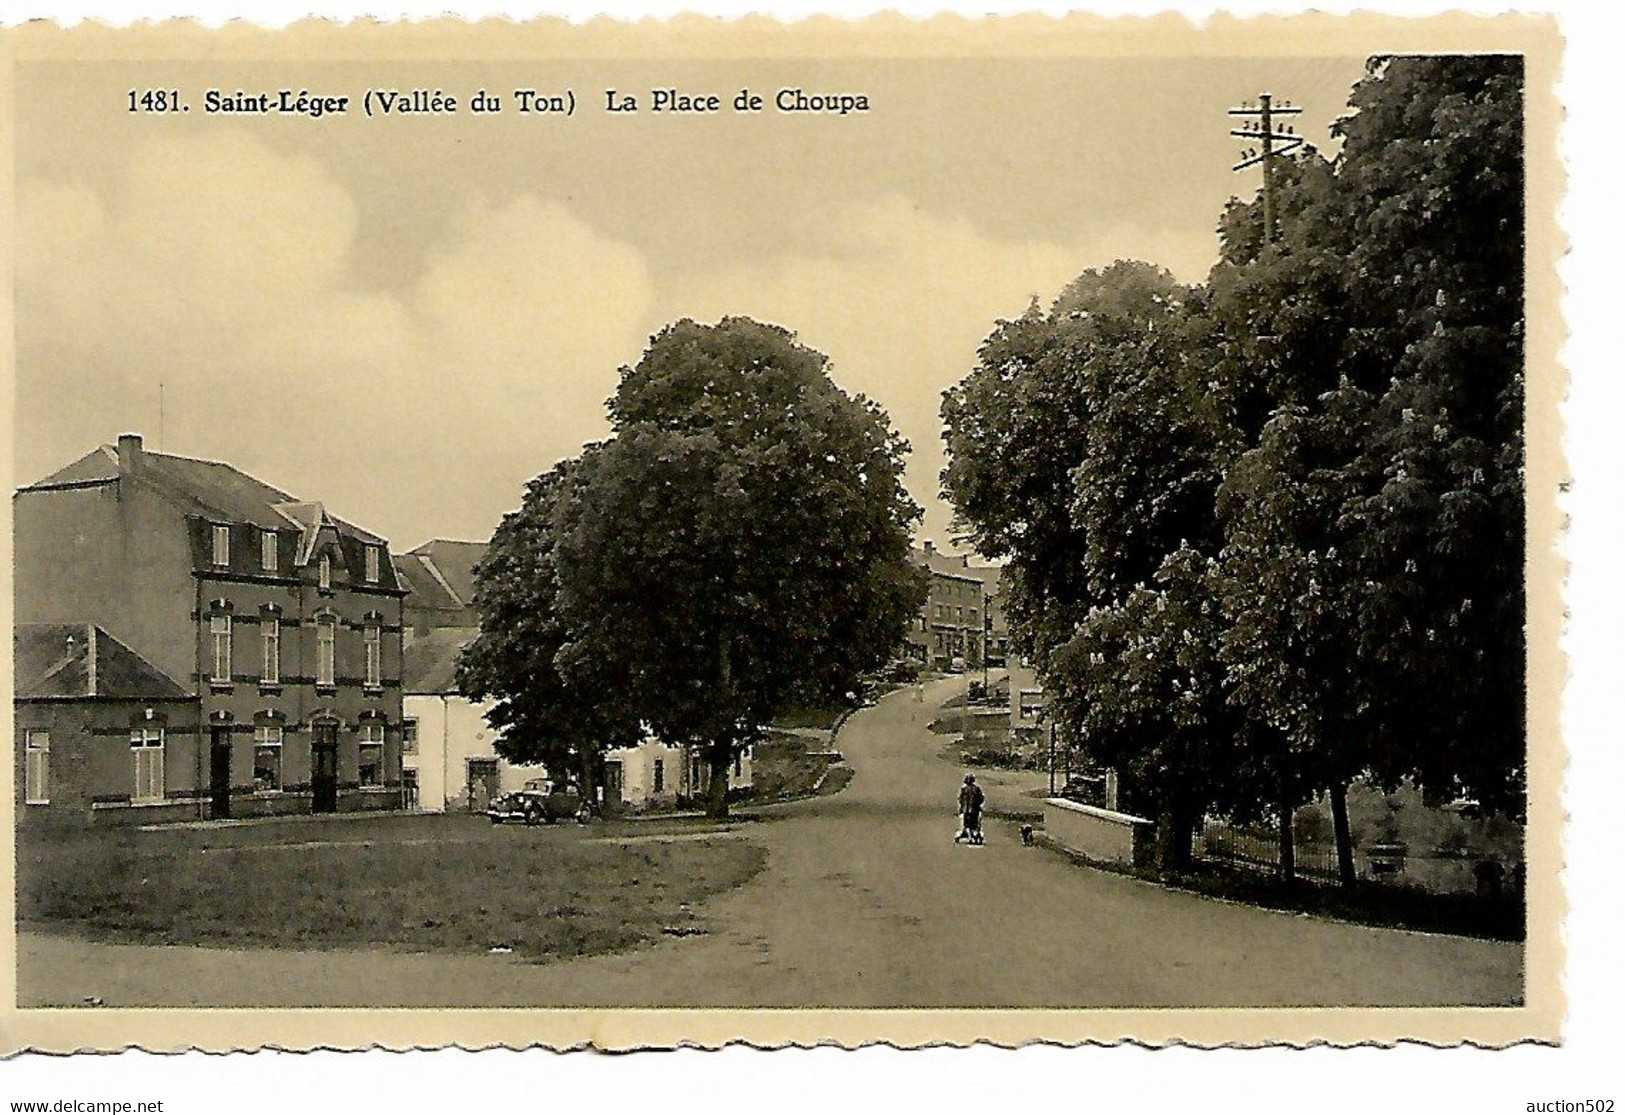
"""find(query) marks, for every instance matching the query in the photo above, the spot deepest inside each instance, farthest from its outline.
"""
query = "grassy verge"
(823, 716)
(1366, 903)
(426, 884)
(782, 767)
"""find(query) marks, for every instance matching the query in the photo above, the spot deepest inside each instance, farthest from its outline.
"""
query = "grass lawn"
(415, 883)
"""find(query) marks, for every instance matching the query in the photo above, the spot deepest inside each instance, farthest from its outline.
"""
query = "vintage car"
(541, 800)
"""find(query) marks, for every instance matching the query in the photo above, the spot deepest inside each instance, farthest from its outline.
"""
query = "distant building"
(440, 575)
(257, 640)
(655, 773)
(954, 620)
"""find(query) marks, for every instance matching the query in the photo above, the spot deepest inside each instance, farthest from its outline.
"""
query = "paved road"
(866, 902)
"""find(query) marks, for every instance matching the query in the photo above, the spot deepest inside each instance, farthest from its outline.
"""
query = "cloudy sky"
(407, 318)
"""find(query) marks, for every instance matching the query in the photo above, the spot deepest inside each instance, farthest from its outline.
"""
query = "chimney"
(129, 454)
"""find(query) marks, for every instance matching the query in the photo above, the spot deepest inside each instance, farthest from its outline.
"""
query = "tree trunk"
(1340, 830)
(1173, 837)
(1289, 854)
(718, 760)
(719, 752)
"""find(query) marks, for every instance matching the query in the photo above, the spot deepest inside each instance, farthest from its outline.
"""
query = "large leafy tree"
(1084, 446)
(541, 715)
(739, 543)
(1314, 468)
(1373, 553)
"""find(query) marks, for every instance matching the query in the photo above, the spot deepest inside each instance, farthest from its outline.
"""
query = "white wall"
(638, 772)
(452, 730)
(1100, 834)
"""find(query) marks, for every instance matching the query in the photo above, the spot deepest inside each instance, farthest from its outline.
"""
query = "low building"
(100, 729)
(449, 758)
(278, 621)
(657, 774)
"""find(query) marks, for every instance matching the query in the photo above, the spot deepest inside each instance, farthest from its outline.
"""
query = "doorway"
(324, 769)
(219, 773)
(484, 783)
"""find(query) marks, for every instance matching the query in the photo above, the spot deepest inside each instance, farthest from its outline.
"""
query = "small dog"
(1027, 835)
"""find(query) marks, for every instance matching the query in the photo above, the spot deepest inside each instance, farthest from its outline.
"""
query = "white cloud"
(226, 271)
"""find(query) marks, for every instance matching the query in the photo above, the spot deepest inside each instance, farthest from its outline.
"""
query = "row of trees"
(1265, 534)
(739, 544)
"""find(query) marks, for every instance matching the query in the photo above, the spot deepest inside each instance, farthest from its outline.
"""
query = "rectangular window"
(660, 776)
(222, 545)
(375, 655)
(739, 764)
(372, 755)
(271, 644)
(326, 646)
(409, 737)
(38, 774)
(147, 745)
(267, 759)
(268, 551)
(324, 572)
(372, 564)
(220, 636)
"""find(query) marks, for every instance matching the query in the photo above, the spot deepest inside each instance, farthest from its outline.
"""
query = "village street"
(865, 901)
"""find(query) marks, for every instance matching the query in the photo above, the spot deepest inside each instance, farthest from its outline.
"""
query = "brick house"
(280, 623)
(97, 725)
(950, 625)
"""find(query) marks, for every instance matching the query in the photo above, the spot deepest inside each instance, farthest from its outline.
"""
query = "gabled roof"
(425, 590)
(212, 488)
(947, 565)
(83, 660)
(451, 563)
(430, 665)
(100, 463)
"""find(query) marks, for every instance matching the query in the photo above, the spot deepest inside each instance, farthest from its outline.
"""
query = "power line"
(1274, 140)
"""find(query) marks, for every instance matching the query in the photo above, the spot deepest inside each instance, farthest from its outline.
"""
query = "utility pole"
(1261, 126)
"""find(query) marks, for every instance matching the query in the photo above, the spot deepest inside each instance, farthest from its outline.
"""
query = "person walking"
(970, 811)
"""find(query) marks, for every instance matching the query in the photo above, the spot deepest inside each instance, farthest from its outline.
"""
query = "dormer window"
(372, 564)
(268, 557)
(222, 545)
(324, 572)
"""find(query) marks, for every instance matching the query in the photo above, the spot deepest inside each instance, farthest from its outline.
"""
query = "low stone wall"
(1098, 834)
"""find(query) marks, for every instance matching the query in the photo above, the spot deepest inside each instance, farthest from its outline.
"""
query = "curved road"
(865, 902)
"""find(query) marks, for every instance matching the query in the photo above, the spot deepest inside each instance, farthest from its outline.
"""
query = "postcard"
(636, 534)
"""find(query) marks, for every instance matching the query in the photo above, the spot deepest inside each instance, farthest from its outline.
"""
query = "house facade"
(951, 624)
(449, 759)
(95, 721)
(656, 774)
(282, 623)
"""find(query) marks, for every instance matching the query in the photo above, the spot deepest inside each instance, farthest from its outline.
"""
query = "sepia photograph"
(586, 534)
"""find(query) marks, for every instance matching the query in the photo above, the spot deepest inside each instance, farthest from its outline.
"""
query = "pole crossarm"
(1274, 142)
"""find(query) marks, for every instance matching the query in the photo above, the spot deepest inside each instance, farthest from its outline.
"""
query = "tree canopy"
(739, 543)
(1266, 534)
